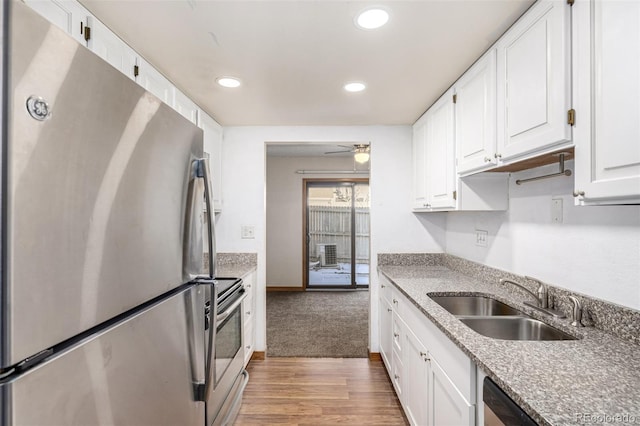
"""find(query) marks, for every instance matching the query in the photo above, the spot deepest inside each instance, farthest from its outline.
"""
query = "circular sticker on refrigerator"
(38, 108)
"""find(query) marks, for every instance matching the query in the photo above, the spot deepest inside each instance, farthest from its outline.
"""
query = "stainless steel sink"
(514, 328)
(474, 305)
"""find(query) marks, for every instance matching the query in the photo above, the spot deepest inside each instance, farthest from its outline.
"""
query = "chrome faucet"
(542, 297)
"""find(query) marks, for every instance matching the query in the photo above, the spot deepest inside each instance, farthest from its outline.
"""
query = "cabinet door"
(249, 309)
(607, 91)
(534, 90)
(447, 406)
(475, 116)
(66, 14)
(156, 83)
(440, 149)
(419, 164)
(386, 315)
(111, 48)
(415, 362)
(213, 148)
(185, 106)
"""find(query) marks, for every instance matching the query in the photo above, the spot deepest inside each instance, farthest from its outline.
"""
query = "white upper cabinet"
(213, 148)
(440, 154)
(156, 83)
(185, 106)
(66, 14)
(419, 161)
(111, 48)
(476, 116)
(534, 82)
(607, 94)
(436, 184)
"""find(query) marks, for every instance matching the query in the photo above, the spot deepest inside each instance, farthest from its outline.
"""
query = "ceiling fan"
(360, 150)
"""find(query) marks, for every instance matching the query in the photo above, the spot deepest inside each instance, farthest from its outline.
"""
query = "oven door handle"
(224, 315)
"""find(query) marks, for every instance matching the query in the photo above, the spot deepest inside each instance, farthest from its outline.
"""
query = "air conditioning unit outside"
(328, 254)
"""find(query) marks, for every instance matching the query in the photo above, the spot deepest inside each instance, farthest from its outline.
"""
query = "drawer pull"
(396, 335)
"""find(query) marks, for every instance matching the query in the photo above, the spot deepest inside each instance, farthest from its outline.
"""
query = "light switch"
(482, 238)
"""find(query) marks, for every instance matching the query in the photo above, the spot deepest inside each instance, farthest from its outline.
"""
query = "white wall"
(393, 227)
(285, 211)
(596, 250)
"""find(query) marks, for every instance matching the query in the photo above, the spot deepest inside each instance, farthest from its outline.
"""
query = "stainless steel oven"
(226, 371)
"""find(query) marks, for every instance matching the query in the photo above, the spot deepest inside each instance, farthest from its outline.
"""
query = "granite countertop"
(595, 379)
(235, 265)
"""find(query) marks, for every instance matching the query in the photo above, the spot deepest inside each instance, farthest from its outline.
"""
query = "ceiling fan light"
(361, 157)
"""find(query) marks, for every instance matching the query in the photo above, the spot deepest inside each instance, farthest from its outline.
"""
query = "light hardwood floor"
(319, 391)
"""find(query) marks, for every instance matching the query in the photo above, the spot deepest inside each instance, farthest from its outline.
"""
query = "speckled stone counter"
(235, 265)
(595, 379)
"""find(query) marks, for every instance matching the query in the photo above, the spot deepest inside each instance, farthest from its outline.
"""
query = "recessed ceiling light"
(354, 87)
(372, 18)
(228, 82)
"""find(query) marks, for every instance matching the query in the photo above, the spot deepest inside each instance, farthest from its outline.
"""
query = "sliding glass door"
(336, 233)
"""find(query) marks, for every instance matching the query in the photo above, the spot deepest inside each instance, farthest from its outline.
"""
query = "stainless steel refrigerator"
(102, 318)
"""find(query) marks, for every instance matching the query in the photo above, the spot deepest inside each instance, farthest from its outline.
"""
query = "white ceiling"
(293, 57)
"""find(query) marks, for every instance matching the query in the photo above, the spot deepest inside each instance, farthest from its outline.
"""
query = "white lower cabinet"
(416, 367)
(386, 317)
(434, 380)
(248, 312)
(446, 404)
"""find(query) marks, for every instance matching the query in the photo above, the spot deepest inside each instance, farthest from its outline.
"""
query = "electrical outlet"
(248, 232)
(482, 238)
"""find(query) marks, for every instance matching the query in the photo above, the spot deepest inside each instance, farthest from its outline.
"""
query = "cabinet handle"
(395, 376)
(496, 155)
(577, 193)
(395, 301)
(248, 286)
(248, 312)
(396, 335)
(487, 159)
(382, 285)
(423, 354)
(249, 347)
(389, 310)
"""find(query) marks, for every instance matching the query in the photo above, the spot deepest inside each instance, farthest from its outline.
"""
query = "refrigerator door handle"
(192, 243)
(204, 172)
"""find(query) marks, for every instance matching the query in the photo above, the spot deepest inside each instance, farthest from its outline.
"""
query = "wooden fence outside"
(332, 225)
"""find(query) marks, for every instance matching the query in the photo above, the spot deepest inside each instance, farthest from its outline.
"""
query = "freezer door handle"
(204, 172)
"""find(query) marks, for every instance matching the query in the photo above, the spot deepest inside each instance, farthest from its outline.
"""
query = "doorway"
(336, 233)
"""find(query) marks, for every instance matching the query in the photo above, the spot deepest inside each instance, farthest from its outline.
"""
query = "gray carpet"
(332, 324)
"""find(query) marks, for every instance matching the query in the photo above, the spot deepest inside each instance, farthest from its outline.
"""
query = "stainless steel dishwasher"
(500, 410)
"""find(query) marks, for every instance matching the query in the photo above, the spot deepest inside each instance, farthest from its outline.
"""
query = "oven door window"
(228, 342)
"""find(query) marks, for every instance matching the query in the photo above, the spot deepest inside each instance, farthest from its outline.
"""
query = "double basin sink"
(495, 319)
